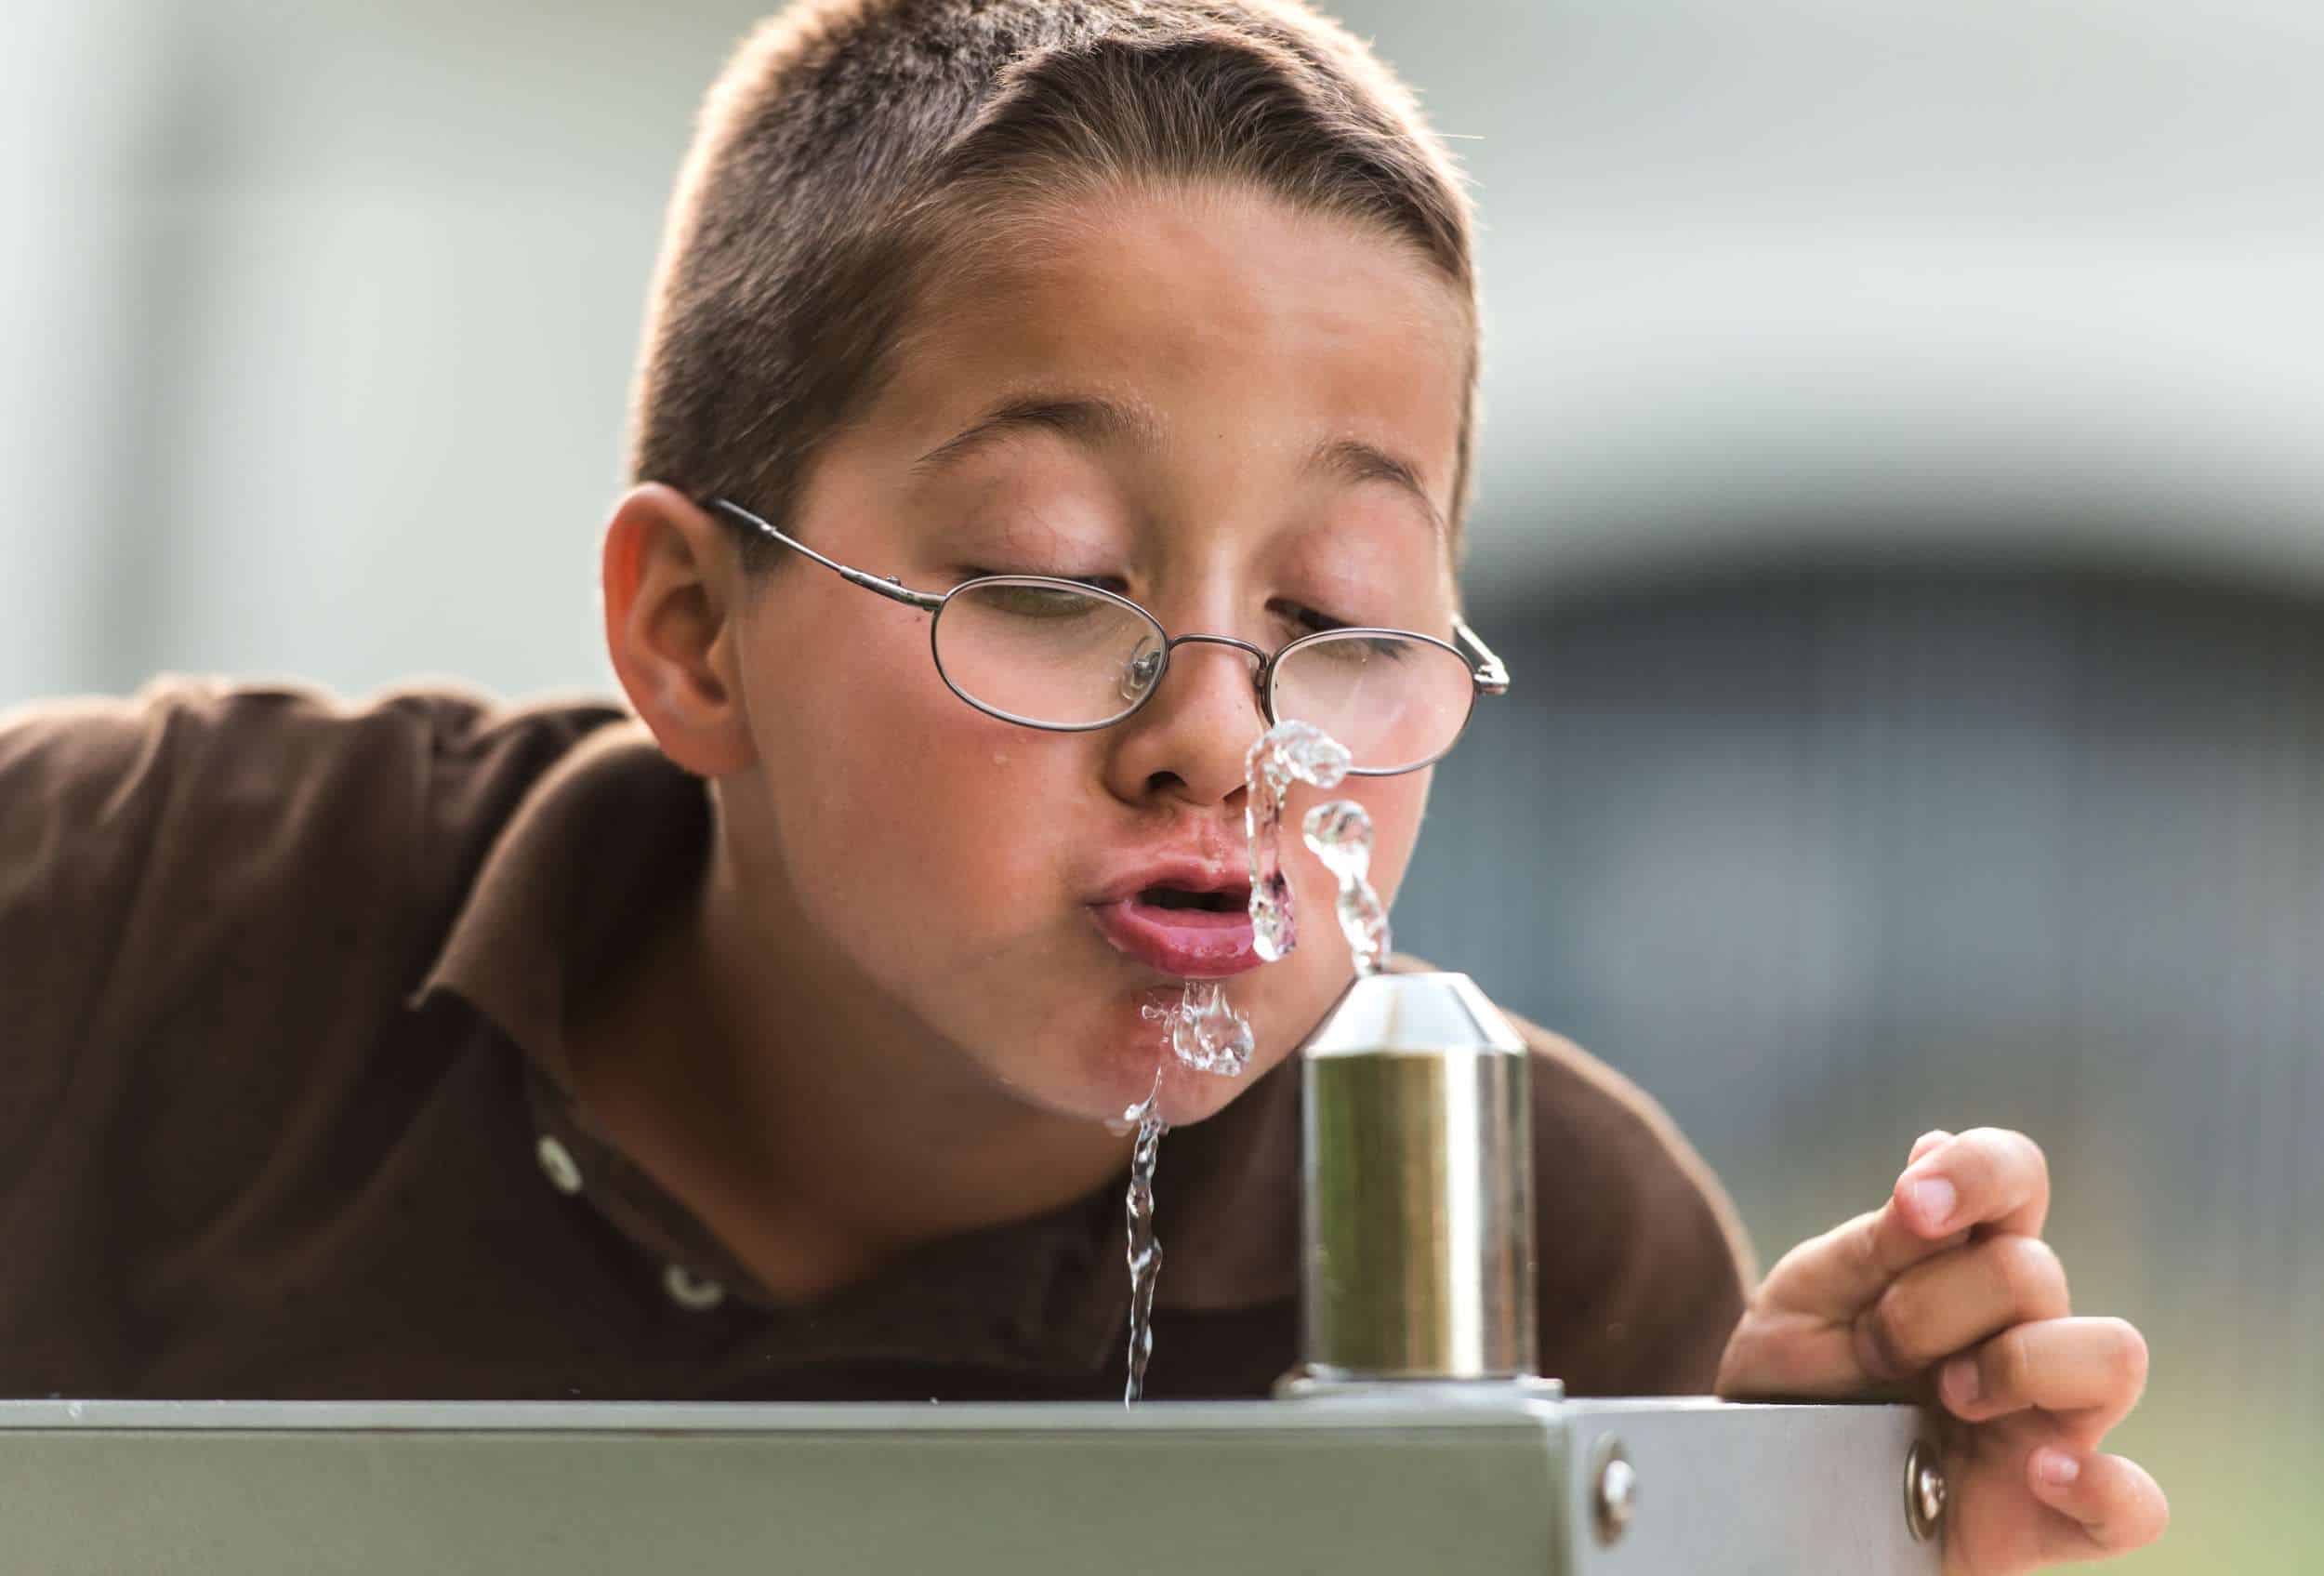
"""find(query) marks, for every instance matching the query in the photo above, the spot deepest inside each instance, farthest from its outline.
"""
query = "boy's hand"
(1948, 1295)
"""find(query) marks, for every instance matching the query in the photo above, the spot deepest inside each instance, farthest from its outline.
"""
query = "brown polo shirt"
(286, 1110)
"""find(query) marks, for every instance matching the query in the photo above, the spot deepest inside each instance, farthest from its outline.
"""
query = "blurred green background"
(1900, 507)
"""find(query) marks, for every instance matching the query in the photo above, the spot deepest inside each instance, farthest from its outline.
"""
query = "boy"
(758, 1040)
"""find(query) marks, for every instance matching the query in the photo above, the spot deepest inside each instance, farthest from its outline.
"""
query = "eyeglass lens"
(1394, 702)
(1045, 653)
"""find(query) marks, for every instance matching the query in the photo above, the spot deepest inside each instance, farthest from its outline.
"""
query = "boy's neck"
(808, 1124)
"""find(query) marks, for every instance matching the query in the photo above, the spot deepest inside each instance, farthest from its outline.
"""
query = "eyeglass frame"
(1488, 674)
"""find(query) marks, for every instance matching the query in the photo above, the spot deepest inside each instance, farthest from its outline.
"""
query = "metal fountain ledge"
(1350, 1485)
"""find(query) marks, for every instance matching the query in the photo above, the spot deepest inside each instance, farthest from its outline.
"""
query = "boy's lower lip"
(1189, 943)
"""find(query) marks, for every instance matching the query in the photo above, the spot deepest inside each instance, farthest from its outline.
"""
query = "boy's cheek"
(965, 822)
(892, 753)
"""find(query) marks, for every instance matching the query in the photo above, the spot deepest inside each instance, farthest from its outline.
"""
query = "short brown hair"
(849, 143)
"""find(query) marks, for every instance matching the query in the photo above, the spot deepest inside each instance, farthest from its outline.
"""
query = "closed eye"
(1113, 583)
(1306, 620)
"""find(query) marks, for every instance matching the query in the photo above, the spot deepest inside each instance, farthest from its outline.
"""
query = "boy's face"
(960, 865)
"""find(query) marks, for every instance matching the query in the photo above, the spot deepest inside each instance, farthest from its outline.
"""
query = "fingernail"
(2056, 1468)
(1959, 1381)
(1933, 1197)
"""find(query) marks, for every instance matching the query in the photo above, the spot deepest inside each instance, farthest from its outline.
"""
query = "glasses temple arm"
(895, 591)
(1491, 677)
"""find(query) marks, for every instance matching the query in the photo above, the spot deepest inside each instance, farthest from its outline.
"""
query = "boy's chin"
(1186, 1096)
(1100, 1073)
(1107, 1087)
(1189, 1096)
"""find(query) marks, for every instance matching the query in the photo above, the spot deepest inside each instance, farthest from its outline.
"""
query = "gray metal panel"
(1749, 1490)
(1347, 1486)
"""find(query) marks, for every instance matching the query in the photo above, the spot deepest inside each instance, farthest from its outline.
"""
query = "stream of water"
(1203, 1028)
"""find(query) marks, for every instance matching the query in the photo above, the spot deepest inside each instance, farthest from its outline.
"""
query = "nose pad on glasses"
(1138, 673)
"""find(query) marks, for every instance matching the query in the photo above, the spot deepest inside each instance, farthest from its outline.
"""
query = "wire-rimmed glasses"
(1069, 657)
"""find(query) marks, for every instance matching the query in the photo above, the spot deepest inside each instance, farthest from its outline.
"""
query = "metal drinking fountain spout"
(1417, 1224)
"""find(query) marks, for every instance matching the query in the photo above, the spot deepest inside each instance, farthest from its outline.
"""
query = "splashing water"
(1287, 753)
(1145, 1254)
(1206, 1031)
(1209, 1036)
(1340, 835)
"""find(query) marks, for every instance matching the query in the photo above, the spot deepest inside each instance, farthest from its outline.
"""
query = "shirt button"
(697, 1294)
(563, 1175)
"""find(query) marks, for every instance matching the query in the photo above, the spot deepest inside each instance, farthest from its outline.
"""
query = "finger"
(1958, 1299)
(2091, 1372)
(1985, 1177)
(2106, 1505)
(1837, 1275)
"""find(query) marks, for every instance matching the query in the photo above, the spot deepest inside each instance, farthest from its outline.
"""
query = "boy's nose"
(1189, 741)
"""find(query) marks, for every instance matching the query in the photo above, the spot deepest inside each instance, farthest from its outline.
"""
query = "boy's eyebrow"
(1094, 422)
(1086, 419)
(1351, 460)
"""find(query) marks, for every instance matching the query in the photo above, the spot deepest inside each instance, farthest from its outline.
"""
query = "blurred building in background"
(1900, 507)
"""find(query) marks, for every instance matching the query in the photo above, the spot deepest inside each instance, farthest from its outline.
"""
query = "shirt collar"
(612, 831)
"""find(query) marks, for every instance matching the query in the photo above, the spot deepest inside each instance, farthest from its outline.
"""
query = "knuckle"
(1901, 1324)
(2038, 1162)
(2007, 1364)
(1857, 1244)
(2126, 1355)
(2032, 1275)
(2139, 1515)
(2158, 1514)
(2014, 1151)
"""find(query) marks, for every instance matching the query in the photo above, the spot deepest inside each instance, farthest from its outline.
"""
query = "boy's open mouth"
(1182, 925)
(1196, 902)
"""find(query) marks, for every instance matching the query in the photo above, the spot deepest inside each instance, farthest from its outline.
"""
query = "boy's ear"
(671, 584)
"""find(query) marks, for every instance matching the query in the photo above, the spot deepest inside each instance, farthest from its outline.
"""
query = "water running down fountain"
(1145, 1254)
(1204, 1030)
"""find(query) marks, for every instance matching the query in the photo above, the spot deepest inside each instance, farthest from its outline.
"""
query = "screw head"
(1924, 1493)
(1614, 1497)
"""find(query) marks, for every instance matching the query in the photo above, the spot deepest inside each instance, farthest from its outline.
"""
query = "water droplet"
(1287, 753)
(1340, 835)
(1205, 1032)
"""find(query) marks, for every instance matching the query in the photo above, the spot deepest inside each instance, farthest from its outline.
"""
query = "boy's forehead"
(1159, 323)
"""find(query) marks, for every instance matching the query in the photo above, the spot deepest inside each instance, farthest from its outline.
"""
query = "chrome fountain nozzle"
(1417, 1220)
